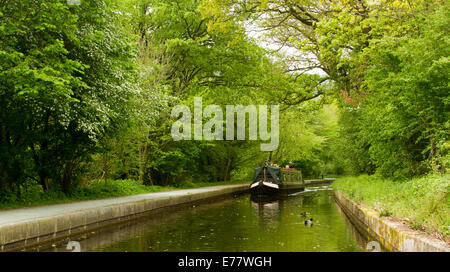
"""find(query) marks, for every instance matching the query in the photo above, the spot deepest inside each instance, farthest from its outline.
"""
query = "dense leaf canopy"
(87, 90)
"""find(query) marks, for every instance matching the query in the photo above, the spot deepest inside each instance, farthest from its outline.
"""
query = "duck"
(303, 214)
(309, 222)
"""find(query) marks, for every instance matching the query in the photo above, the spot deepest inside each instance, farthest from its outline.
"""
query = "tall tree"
(66, 78)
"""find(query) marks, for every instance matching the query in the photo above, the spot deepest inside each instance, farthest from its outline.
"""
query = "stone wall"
(89, 215)
(392, 233)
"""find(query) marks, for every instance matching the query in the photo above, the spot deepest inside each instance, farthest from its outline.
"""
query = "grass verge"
(423, 202)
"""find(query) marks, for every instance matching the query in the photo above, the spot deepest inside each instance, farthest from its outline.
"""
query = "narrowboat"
(270, 180)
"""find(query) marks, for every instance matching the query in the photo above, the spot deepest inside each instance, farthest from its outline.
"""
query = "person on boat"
(291, 165)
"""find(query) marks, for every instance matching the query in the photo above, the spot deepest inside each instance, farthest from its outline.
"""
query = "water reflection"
(235, 224)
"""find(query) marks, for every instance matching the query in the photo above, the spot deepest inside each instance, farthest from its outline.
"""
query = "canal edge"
(34, 232)
(393, 236)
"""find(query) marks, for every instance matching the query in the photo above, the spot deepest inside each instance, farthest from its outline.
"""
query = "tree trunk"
(226, 176)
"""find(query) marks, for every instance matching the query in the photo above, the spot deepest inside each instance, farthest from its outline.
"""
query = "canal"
(234, 224)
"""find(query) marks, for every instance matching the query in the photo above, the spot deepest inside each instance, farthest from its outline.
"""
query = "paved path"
(13, 216)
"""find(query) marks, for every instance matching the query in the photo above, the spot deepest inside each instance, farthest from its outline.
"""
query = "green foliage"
(400, 126)
(394, 108)
(308, 137)
(385, 213)
(65, 83)
(180, 58)
(353, 144)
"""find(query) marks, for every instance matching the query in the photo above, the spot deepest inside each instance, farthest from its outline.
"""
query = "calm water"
(236, 224)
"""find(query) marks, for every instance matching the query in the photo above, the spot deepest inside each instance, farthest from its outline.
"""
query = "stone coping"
(31, 226)
(391, 233)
